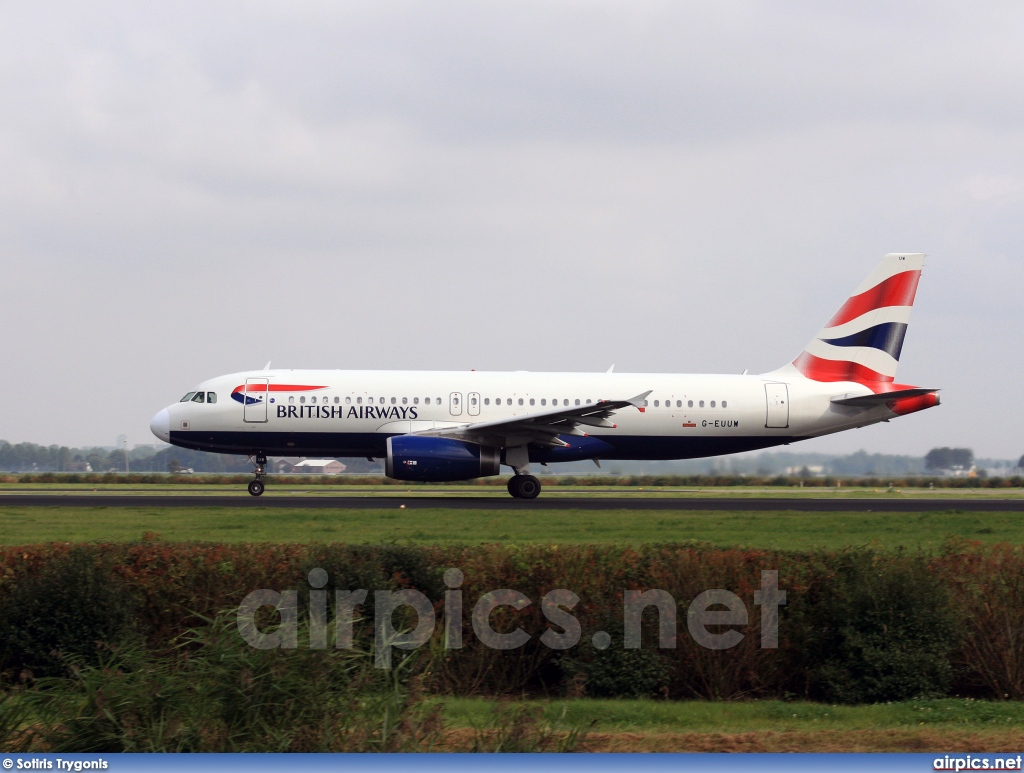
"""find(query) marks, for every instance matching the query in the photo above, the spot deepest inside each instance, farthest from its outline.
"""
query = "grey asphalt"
(802, 504)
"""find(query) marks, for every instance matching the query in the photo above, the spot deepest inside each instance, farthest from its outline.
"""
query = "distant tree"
(949, 459)
(1020, 462)
(174, 466)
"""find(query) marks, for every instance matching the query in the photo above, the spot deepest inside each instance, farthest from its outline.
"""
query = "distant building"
(815, 470)
(283, 465)
(960, 472)
(318, 467)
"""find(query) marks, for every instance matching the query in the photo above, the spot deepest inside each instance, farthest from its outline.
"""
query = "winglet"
(267, 366)
(640, 399)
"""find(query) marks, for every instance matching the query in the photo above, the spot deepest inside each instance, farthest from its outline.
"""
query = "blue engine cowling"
(411, 457)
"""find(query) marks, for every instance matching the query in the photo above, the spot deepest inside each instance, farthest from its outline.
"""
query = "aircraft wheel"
(513, 486)
(529, 487)
(256, 487)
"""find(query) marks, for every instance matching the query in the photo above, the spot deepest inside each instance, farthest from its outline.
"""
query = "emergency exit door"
(455, 403)
(777, 396)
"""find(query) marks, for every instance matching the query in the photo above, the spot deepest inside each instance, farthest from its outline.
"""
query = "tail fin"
(863, 341)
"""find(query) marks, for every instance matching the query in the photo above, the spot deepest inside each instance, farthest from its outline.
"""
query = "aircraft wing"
(542, 428)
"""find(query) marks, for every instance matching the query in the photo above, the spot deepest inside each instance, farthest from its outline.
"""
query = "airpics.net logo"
(972, 762)
(706, 616)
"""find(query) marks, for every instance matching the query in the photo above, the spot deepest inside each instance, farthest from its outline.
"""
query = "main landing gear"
(257, 486)
(524, 486)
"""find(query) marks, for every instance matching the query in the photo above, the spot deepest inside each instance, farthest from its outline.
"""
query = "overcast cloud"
(194, 188)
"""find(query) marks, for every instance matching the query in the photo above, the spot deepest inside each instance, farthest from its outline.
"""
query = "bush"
(877, 628)
(72, 607)
(215, 693)
(859, 626)
(615, 672)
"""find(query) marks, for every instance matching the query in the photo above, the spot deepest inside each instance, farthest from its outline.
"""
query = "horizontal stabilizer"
(870, 401)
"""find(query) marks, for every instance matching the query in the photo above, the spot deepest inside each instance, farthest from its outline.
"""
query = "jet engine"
(435, 459)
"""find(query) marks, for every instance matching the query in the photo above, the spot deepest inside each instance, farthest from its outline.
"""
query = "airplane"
(455, 426)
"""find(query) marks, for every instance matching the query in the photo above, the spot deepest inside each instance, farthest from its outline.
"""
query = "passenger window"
(520, 401)
(405, 401)
(577, 401)
(348, 400)
(416, 401)
(199, 398)
(679, 403)
(508, 401)
(188, 397)
(427, 400)
(359, 401)
(689, 403)
(291, 398)
(588, 402)
(337, 400)
(532, 401)
(437, 400)
(369, 400)
(712, 403)
(313, 399)
(211, 397)
(487, 400)
(543, 401)
(646, 403)
(725, 404)
(701, 403)
(655, 403)
(565, 402)
(394, 400)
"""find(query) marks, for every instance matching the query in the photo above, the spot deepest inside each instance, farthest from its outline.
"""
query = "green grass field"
(773, 530)
(751, 716)
(756, 726)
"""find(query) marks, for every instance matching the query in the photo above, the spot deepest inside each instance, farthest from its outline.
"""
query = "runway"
(735, 504)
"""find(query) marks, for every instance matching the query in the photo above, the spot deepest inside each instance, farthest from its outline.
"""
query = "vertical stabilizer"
(863, 341)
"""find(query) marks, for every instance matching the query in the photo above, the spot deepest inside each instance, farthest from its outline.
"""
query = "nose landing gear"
(257, 487)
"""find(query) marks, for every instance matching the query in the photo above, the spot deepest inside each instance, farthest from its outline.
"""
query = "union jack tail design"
(863, 341)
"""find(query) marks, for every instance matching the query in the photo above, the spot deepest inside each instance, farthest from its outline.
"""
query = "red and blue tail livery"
(863, 341)
(448, 426)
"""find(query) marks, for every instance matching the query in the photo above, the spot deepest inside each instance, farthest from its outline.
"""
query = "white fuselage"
(352, 413)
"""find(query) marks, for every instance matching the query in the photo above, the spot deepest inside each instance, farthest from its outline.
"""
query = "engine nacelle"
(436, 459)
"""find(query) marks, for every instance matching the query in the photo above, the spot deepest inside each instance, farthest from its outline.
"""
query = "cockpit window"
(199, 398)
(211, 397)
(187, 397)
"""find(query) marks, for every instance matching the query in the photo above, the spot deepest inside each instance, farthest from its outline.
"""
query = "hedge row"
(858, 625)
(689, 481)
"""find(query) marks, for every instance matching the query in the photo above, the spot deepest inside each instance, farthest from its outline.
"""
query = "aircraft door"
(777, 396)
(255, 398)
(473, 404)
(455, 403)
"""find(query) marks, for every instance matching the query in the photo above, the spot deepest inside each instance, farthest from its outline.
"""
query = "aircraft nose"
(161, 426)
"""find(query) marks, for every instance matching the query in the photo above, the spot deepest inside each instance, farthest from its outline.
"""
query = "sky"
(194, 188)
